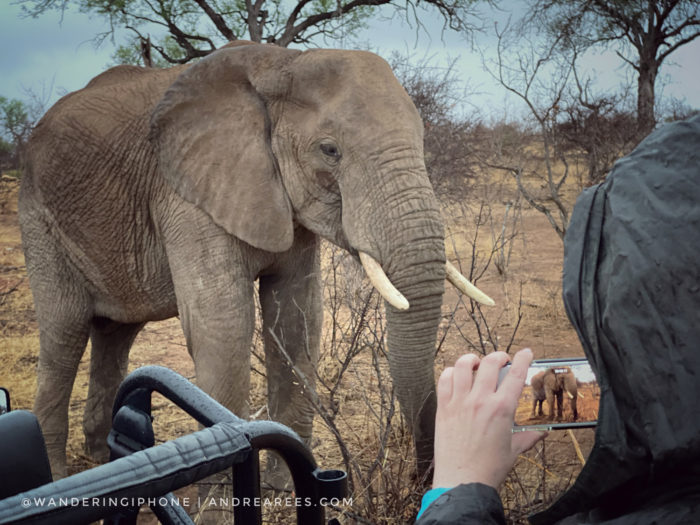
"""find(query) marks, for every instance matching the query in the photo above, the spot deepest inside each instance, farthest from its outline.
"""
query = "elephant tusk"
(571, 396)
(382, 283)
(580, 395)
(463, 285)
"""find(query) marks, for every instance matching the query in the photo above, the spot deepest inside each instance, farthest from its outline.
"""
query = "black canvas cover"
(632, 291)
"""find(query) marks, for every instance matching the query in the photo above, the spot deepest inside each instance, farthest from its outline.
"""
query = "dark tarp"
(632, 291)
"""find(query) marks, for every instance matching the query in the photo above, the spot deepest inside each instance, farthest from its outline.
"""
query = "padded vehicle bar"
(153, 472)
(141, 473)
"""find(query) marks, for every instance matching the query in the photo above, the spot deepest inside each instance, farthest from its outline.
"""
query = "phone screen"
(558, 393)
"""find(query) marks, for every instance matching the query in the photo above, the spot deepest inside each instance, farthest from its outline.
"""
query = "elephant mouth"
(391, 295)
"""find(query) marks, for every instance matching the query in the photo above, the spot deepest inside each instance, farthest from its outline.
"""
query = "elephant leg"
(63, 313)
(214, 288)
(219, 332)
(214, 291)
(560, 403)
(537, 407)
(292, 315)
(291, 324)
(219, 339)
(219, 336)
(109, 359)
(550, 403)
(61, 349)
(573, 405)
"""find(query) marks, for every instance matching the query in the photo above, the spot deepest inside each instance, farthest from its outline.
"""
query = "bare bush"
(450, 138)
(503, 234)
(597, 128)
(364, 432)
(673, 109)
(17, 121)
(483, 330)
(570, 132)
(542, 474)
(355, 402)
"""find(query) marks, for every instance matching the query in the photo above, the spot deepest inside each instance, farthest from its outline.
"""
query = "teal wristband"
(429, 497)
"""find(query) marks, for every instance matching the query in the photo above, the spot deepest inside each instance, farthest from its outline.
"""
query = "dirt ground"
(530, 289)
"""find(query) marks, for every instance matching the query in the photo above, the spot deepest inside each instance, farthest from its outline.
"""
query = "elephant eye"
(330, 150)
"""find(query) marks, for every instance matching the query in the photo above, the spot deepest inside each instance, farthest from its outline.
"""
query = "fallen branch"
(577, 447)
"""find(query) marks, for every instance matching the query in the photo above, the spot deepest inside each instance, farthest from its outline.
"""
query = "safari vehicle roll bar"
(139, 471)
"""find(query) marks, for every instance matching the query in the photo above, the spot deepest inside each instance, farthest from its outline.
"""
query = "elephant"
(551, 384)
(538, 394)
(154, 193)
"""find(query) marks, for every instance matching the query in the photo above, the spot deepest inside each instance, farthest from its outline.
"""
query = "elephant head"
(558, 381)
(327, 140)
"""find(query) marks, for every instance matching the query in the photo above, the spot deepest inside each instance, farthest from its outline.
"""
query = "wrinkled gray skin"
(153, 193)
(551, 385)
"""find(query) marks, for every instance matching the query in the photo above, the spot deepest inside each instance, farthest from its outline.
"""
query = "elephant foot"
(59, 472)
(96, 451)
(276, 476)
(58, 462)
(215, 500)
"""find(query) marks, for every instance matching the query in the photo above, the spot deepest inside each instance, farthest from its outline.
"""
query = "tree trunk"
(648, 69)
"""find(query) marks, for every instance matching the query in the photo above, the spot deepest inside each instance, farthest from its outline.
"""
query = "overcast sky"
(45, 54)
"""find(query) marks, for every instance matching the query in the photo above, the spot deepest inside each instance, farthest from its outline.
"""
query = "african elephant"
(538, 394)
(152, 193)
(551, 384)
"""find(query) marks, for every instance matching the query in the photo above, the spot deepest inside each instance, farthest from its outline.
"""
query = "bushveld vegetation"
(491, 231)
(507, 188)
(494, 179)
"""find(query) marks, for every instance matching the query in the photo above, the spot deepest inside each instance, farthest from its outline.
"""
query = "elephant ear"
(211, 132)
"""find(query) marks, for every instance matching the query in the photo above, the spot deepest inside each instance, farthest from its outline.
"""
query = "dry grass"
(527, 296)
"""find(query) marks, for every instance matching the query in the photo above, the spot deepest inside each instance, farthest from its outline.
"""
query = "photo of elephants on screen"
(559, 394)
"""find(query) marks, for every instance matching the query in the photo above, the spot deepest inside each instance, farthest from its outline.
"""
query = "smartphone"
(558, 394)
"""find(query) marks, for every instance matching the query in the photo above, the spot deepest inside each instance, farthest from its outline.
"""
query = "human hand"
(474, 442)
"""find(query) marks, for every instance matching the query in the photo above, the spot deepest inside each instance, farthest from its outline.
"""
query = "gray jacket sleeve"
(473, 503)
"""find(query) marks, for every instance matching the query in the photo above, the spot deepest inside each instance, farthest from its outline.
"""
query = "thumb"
(523, 441)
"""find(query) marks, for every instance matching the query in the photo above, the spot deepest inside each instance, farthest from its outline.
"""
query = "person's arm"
(475, 447)
(473, 503)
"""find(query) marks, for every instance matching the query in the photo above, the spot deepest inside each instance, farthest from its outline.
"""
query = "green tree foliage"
(15, 127)
(14, 119)
(644, 32)
(183, 30)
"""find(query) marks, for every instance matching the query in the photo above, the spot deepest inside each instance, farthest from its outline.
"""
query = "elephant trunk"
(415, 264)
(411, 340)
(399, 225)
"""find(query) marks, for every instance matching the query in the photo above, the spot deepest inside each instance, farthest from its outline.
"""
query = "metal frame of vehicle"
(140, 471)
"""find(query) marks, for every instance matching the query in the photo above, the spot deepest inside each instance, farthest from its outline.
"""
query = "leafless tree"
(571, 132)
(537, 74)
(183, 30)
(597, 128)
(644, 33)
